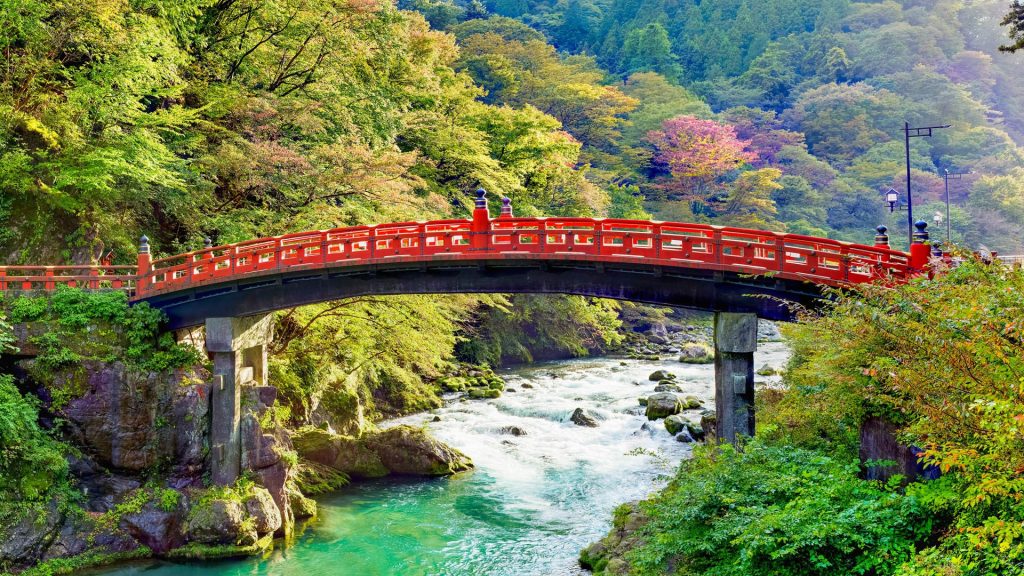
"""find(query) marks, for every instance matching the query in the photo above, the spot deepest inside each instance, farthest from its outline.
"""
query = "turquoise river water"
(531, 504)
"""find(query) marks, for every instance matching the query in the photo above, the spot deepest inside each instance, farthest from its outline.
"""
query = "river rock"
(767, 370)
(696, 353)
(674, 424)
(695, 431)
(411, 451)
(662, 404)
(666, 386)
(260, 506)
(580, 417)
(659, 375)
(642, 401)
(526, 385)
(691, 403)
(513, 430)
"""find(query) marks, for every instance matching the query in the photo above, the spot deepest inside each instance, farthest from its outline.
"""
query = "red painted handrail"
(671, 244)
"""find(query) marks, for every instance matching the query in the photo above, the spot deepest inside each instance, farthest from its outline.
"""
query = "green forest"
(235, 119)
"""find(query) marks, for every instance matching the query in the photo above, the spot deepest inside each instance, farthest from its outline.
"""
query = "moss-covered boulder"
(350, 456)
(691, 403)
(260, 506)
(674, 424)
(662, 404)
(660, 375)
(412, 451)
(399, 450)
(220, 521)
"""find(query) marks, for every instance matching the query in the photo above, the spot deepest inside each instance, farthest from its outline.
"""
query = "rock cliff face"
(130, 422)
(142, 470)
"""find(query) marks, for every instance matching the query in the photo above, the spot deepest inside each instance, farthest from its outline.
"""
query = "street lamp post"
(951, 176)
(908, 133)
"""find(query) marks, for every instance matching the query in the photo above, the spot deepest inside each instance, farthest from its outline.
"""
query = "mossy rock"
(198, 551)
(484, 393)
(767, 370)
(691, 403)
(412, 451)
(675, 424)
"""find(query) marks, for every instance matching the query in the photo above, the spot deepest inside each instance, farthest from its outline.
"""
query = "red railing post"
(145, 267)
(920, 252)
(94, 283)
(3, 282)
(48, 285)
(481, 227)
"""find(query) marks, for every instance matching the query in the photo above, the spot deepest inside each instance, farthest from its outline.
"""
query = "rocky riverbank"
(138, 482)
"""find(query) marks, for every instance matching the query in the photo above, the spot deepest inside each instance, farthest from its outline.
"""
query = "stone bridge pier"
(238, 348)
(735, 343)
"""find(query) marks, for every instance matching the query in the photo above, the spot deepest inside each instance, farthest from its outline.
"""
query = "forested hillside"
(813, 95)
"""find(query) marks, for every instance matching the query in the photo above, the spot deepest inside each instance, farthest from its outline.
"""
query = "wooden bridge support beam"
(735, 343)
(238, 348)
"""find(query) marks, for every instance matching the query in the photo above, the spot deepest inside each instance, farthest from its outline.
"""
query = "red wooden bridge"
(671, 263)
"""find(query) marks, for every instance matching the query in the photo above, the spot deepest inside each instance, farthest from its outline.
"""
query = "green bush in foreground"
(776, 511)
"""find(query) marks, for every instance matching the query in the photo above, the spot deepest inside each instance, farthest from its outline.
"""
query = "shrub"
(776, 510)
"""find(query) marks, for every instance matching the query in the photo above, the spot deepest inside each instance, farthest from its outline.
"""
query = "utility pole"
(908, 133)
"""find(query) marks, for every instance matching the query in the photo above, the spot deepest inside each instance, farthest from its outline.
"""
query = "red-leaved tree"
(695, 153)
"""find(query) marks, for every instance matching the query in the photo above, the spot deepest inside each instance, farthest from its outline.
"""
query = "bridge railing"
(92, 277)
(610, 240)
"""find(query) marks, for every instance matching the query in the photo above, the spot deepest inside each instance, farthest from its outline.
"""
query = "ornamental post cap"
(480, 192)
(920, 225)
(882, 229)
(506, 201)
(207, 242)
(144, 245)
(481, 200)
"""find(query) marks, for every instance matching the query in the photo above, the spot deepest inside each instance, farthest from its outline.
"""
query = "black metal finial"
(481, 198)
(207, 242)
(506, 207)
(921, 235)
(506, 201)
(882, 238)
(144, 245)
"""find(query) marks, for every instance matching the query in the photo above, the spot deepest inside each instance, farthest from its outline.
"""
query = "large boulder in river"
(581, 418)
(345, 454)
(659, 375)
(663, 404)
(412, 451)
